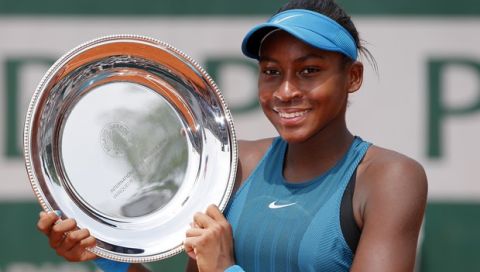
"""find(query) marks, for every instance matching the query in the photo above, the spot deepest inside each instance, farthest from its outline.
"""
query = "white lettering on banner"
(391, 109)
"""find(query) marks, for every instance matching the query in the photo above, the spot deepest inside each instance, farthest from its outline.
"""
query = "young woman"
(316, 198)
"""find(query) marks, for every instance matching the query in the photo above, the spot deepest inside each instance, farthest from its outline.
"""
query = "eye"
(270, 72)
(309, 70)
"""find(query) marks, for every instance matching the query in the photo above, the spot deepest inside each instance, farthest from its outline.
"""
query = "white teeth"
(292, 114)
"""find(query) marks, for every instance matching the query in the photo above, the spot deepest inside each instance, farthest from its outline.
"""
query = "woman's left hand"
(210, 241)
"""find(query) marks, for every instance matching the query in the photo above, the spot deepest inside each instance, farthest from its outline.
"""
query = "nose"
(287, 91)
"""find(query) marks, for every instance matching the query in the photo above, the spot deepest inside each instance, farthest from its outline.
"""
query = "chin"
(293, 137)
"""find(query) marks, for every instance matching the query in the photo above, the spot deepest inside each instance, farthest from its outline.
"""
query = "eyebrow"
(266, 58)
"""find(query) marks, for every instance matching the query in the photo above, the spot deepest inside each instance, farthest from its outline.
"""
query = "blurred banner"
(423, 102)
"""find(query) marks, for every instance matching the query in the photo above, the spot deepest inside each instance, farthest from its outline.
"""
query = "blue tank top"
(282, 226)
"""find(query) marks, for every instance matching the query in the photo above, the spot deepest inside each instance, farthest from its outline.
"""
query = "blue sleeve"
(234, 268)
(111, 266)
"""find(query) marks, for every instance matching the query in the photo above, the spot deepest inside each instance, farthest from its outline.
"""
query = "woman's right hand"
(65, 238)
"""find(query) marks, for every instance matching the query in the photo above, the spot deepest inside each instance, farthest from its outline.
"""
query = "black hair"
(331, 9)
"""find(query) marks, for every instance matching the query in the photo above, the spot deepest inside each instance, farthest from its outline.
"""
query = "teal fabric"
(234, 268)
(282, 226)
(111, 266)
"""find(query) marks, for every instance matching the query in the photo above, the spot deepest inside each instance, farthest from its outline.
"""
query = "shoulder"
(249, 155)
(388, 179)
(381, 163)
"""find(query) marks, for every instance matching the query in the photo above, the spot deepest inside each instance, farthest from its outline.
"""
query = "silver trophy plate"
(130, 137)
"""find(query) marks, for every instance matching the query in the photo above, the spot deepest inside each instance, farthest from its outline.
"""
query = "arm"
(392, 193)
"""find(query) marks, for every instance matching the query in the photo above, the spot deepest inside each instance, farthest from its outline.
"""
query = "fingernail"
(58, 213)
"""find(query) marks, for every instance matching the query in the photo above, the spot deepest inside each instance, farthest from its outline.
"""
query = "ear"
(355, 76)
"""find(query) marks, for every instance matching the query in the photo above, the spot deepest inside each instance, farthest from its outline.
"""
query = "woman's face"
(303, 90)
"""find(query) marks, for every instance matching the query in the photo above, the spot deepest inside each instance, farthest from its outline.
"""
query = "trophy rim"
(29, 131)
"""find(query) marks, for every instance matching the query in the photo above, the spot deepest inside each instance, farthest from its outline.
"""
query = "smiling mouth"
(290, 115)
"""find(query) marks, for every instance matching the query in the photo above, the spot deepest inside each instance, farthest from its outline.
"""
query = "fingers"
(193, 232)
(215, 213)
(211, 225)
(203, 220)
(79, 251)
(67, 240)
(75, 246)
(210, 217)
(221, 223)
(75, 237)
(209, 240)
(188, 244)
(191, 240)
(59, 230)
(46, 222)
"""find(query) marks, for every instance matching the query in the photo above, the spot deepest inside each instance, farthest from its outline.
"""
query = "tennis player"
(316, 198)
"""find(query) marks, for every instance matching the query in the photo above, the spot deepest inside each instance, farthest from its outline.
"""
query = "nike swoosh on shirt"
(273, 205)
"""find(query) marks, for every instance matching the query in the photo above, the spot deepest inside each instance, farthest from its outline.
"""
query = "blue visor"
(311, 27)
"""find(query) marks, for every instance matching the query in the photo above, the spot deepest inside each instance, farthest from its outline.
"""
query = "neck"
(311, 158)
